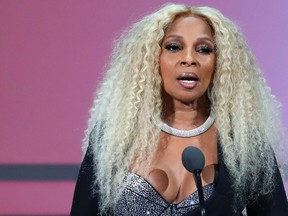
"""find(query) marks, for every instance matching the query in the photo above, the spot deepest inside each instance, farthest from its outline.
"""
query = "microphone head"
(193, 159)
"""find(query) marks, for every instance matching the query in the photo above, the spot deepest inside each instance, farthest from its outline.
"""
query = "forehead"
(189, 24)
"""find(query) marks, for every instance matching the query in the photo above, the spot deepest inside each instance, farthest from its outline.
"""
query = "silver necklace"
(188, 133)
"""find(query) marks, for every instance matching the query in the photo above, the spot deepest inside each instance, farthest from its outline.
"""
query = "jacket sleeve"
(85, 202)
(274, 204)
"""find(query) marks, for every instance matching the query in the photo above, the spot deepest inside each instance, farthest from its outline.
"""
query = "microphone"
(193, 160)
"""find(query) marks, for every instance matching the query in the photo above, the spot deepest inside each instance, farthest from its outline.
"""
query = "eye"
(205, 49)
(173, 47)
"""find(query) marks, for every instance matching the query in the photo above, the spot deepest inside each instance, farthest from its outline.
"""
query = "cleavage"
(175, 189)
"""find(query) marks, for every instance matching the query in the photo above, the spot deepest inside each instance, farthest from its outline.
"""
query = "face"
(187, 59)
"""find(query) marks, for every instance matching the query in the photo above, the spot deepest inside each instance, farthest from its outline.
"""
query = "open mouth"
(188, 80)
(188, 77)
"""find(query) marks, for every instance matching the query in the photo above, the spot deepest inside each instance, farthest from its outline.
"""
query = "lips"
(188, 79)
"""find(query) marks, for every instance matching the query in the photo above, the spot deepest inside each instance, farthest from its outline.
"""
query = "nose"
(188, 58)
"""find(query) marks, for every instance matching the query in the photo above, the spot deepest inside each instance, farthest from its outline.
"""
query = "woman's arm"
(84, 201)
(274, 204)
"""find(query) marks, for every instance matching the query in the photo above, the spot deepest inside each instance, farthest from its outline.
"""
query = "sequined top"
(139, 197)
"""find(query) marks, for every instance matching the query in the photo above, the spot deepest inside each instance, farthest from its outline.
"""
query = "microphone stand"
(193, 160)
(200, 191)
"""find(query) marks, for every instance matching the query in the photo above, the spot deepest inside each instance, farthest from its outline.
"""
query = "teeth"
(188, 81)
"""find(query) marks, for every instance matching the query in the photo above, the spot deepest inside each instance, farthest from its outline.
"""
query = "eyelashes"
(173, 47)
(201, 48)
(205, 49)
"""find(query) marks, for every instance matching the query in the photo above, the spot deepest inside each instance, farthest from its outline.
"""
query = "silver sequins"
(140, 198)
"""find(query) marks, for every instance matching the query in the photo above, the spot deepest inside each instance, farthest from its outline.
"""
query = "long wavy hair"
(123, 127)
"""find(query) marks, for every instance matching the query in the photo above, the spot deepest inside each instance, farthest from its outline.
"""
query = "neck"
(185, 116)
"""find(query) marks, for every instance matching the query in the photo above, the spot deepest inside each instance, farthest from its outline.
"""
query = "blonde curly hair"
(123, 127)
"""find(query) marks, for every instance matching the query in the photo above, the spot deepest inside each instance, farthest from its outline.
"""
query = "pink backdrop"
(51, 59)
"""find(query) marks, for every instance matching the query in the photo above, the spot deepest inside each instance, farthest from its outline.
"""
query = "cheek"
(210, 66)
(167, 60)
(164, 66)
(164, 71)
(208, 70)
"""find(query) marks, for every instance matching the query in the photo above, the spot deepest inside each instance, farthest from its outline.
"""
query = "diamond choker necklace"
(188, 133)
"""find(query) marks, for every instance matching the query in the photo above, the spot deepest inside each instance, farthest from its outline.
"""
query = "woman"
(182, 76)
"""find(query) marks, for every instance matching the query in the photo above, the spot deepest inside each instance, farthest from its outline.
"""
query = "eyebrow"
(206, 38)
(200, 38)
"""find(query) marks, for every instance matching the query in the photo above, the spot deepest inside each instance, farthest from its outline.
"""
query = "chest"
(167, 173)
